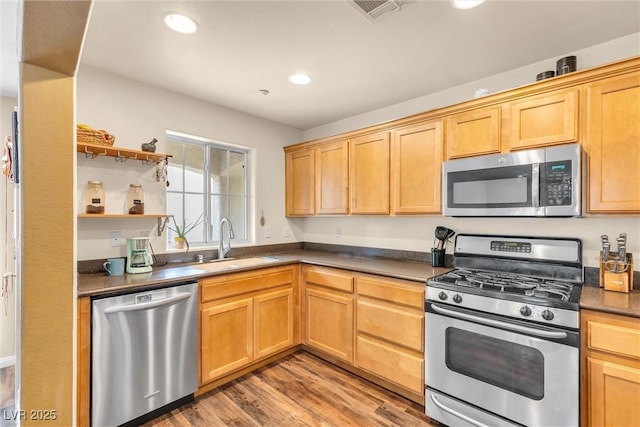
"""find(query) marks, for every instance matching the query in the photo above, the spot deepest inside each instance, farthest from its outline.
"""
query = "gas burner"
(509, 283)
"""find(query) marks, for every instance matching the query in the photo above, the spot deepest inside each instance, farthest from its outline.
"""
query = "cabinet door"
(391, 362)
(226, 337)
(417, 168)
(474, 132)
(273, 322)
(612, 143)
(544, 120)
(614, 394)
(300, 182)
(369, 183)
(329, 322)
(332, 186)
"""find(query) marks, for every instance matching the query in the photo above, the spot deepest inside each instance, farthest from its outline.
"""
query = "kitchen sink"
(229, 264)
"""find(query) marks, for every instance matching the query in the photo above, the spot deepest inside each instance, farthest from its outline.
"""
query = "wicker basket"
(95, 137)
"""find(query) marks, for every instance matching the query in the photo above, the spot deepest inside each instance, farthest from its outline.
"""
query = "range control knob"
(457, 299)
(525, 311)
(442, 295)
(547, 315)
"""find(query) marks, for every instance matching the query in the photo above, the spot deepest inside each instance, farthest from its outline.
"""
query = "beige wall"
(135, 113)
(416, 233)
(48, 279)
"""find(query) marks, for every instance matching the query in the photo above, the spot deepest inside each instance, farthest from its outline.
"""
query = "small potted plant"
(180, 239)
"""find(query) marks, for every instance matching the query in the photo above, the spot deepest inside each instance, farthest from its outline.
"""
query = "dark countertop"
(100, 284)
(593, 297)
(596, 298)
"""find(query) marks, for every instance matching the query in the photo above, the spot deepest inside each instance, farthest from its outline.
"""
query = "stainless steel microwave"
(535, 183)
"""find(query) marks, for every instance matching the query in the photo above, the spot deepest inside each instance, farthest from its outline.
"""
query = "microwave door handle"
(535, 185)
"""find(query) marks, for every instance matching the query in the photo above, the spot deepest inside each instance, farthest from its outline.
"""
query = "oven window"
(510, 366)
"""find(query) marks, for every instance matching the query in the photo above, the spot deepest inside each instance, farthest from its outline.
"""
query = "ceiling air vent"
(374, 9)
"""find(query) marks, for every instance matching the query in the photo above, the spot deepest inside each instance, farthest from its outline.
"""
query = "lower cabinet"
(373, 323)
(390, 330)
(245, 317)
(328, 309)
(610, 370)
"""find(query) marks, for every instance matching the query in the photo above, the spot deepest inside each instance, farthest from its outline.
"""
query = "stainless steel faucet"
(222, 249)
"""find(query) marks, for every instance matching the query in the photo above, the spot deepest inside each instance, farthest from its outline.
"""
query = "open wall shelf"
(121, 154)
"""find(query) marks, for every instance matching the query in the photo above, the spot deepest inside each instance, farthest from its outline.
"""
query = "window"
(207, 178)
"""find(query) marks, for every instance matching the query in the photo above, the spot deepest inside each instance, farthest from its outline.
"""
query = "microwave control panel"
(557, 185)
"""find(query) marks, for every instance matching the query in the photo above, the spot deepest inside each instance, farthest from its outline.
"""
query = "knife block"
(612, 281)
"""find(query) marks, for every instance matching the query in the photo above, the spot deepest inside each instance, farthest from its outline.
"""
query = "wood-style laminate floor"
(298, 390)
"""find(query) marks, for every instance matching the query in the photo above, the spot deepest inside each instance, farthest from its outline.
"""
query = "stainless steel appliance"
(501, 333)
(138, 256)
(144, 352)
(542, 182)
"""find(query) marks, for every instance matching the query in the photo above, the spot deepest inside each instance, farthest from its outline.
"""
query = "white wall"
(7, 262)
(416, 233)
(135, 113)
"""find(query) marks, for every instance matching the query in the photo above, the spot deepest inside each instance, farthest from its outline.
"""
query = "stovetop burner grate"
(508, 283)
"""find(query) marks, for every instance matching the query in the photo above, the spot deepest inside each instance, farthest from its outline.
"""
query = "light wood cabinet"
(416, 159)
(390, 331)
(542, 120)
(245, 317)
(612, 143)
(329, 311)
(83, 374)
(272, 322)
(369, 173)
(226, 341)
(474, 132)
(610, 369)
(300, 182)
(332, 183)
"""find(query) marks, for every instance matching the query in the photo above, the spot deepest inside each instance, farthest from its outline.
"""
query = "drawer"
(397, 291)
(393, 364)
(392, 324)
(241, 283)
(613, 338)
(329, 278)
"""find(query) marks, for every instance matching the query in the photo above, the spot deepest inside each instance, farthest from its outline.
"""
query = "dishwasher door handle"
(147, 305)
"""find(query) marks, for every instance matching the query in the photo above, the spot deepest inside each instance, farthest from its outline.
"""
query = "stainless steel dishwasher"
(144, 352)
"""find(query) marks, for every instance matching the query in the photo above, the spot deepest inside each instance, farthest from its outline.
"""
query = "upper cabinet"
(416, 168)
(369, 173)
(528, 122)
(396, 167)
(300, 182)
(547, 119)
(475, 132)
(612, 143)
(332, 183)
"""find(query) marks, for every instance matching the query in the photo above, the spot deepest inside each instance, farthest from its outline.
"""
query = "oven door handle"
(456, 413)
(499, 324)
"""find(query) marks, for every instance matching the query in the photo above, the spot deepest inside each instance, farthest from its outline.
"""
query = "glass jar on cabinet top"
(135, 200)
(94, 197)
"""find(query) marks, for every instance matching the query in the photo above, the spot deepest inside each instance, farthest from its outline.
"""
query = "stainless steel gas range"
(502, 340)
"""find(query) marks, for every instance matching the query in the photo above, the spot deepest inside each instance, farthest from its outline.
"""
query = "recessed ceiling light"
(300, 79)
(180, 23)
(466, 4)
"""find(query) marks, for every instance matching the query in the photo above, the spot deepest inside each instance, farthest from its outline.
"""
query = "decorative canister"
(566, 65)
(545, 75)
(94, 197)
(135, 199)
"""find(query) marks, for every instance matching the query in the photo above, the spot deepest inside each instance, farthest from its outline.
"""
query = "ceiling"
(356, 65)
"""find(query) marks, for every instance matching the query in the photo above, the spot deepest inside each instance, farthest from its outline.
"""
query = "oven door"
(518, 371)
